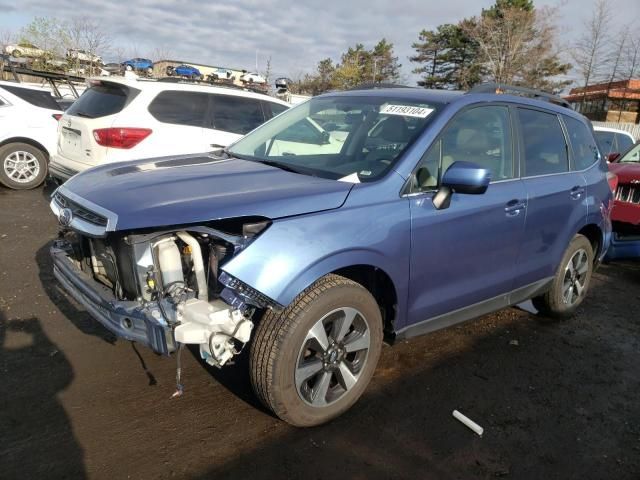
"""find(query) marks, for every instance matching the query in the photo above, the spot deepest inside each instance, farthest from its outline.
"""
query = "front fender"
(294, 252)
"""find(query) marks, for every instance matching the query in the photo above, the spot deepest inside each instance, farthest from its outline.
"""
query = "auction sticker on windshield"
(406, 110)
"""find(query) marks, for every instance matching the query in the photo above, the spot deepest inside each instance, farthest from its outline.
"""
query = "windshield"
(632, 156)
(356, 137)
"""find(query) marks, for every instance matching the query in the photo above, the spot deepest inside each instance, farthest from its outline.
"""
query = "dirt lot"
(557, 400)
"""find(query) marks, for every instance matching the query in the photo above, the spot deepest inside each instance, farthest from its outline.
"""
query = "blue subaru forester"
(353, 218)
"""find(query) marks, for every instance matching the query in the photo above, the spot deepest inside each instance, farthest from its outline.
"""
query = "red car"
(626, 209)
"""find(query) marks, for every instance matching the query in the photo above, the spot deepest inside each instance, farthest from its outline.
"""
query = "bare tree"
(119, 53)
(6, 37)
(630, 67)
(519, 46)
(590, 50)
(45, 33)
(162, 52)
(267, 71)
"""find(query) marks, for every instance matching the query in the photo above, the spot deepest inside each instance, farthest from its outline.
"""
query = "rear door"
(232, 117)
(556, 195)
(179, 129)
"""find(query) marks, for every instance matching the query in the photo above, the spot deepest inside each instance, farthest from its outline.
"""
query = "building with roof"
(609, 102)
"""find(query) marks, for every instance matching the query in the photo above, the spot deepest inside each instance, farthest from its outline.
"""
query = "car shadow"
(234, 377)
(77, 316)
(34, 372)
(545, 393)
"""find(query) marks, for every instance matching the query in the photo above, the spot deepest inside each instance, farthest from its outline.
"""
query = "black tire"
(22, 152)
(277, 350)
(128, 68)
(16, 54)
(556, 302)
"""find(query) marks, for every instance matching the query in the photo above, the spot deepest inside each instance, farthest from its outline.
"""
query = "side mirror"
(461, 177)
(612, 157)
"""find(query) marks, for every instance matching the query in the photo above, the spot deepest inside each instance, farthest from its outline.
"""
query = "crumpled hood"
(198, 188)
(626, 171)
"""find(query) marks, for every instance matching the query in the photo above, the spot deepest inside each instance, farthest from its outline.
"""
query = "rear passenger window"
(545, 148)
(37, 98)
(585, 150)
(236, 114)
(180, 108)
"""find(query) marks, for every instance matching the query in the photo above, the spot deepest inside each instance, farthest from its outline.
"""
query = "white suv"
(126, 119)
(28, 122)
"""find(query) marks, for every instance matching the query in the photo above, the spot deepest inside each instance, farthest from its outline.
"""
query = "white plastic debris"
(468, 422)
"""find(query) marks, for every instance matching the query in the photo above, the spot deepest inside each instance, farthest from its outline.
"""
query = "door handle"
(514, 207)
(576, 192)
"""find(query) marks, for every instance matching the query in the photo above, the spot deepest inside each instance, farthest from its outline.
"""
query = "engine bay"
(177, 276)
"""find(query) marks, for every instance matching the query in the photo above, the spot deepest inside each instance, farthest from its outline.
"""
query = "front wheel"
(22, 166)
(311, 362)
(571, 281)
(128, 68)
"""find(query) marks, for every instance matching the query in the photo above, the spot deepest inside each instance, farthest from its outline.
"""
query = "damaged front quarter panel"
(161, 288)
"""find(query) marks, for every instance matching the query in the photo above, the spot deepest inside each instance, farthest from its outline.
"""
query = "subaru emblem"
(65, 217)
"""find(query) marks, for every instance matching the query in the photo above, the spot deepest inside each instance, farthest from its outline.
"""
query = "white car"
(127, 118)
(252, 78)
(24, 50)
(612, 141)
(83, 56)
(28, 124)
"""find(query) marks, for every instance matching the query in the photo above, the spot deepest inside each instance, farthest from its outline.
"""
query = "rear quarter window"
(624, 142)
(37, 98)
(276, 108)
(545, 148)
(102, 100)
(585, 149)
(237, 115)
(180, 108)
(606, 141)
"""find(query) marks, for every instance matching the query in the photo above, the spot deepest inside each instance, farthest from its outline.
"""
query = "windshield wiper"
(283, 166)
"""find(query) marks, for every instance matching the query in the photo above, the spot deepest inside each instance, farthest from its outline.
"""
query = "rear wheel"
(312, 362)
(128, 68)
(571, 281)
(22, 166)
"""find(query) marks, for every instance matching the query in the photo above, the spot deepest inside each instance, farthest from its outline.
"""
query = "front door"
(466, 254)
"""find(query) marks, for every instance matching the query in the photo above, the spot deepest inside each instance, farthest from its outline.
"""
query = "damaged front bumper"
(131, 320)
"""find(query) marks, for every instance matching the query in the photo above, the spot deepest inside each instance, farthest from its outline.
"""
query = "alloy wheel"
(575, 276)
(332, 356)
(21, 166)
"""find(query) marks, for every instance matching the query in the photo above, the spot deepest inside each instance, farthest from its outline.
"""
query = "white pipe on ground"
(468, 422)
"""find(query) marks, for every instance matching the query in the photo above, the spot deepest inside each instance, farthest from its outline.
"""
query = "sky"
(294, 34)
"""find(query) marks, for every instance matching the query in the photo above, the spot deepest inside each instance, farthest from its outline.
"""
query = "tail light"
(120, 137)
(612, 178)
(57, 116)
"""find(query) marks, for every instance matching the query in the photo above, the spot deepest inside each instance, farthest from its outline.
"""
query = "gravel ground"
(556, 400)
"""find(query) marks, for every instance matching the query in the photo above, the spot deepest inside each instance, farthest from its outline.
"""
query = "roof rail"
(500, 88)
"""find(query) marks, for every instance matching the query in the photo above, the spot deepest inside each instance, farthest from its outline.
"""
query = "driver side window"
(481, 135)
